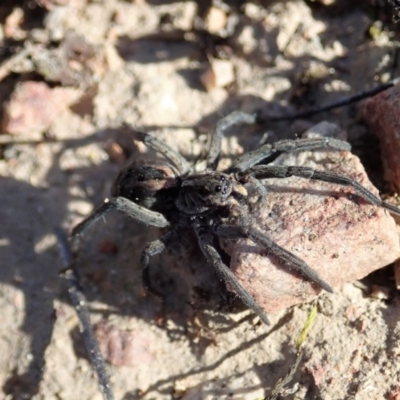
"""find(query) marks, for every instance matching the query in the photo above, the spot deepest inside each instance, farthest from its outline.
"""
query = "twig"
(79, 302)
(340, 103)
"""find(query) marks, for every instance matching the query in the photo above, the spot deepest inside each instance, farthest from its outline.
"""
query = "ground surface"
(137, 62)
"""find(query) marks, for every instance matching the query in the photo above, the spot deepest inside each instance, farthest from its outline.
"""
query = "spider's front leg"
(269, 152)
(205, 238)
(278, 171)
(286, 257)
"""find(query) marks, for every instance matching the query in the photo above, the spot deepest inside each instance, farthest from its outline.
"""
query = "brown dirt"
(137, 62)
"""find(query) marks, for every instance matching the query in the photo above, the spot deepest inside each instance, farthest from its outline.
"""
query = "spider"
(215, 204)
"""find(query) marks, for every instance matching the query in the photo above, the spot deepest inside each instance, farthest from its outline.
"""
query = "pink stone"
(383, 115)
(33, 107)
(337, 233)
(124, 347)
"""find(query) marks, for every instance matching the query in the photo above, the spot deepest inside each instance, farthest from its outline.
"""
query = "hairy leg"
(153, 248)
(286, 257)
(272, 151)
(168, 152)
(236, 117)
(125, 206)
(272, 171)
(205, 238)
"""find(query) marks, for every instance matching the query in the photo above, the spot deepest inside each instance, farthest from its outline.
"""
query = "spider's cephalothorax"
(216, 204)
(209, 192)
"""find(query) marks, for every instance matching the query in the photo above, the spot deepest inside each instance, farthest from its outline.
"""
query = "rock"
(123, 347)
(220, 73)
(336, 232)
(216, 20)
(383, 115)
(33, 107)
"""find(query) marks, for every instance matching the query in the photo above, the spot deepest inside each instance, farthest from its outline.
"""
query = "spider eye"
(222, 178)
(218, 188)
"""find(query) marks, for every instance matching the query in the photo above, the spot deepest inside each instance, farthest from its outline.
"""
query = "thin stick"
(337, 104)
(79, 302)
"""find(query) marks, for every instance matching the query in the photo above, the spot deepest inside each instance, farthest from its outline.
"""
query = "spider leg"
(286, 257)
(205, 238)
(168, 152)
(272, 151)
(71, 275)
(153, 248)
(79, 302)
(124, 206)
(236, 117)
(273, 171)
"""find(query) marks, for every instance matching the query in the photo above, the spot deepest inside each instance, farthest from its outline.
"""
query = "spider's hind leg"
(168, 152)
(152, 249)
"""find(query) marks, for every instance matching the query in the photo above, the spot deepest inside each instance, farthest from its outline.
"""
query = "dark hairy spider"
(215, 204)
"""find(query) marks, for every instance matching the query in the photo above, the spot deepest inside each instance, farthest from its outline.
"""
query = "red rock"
(394, 394)
(338, 234)
(318, 372)
(33, 106)
(123, 347)
(383, 115)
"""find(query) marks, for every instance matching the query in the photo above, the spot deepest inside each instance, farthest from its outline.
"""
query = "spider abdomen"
(152, 186)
